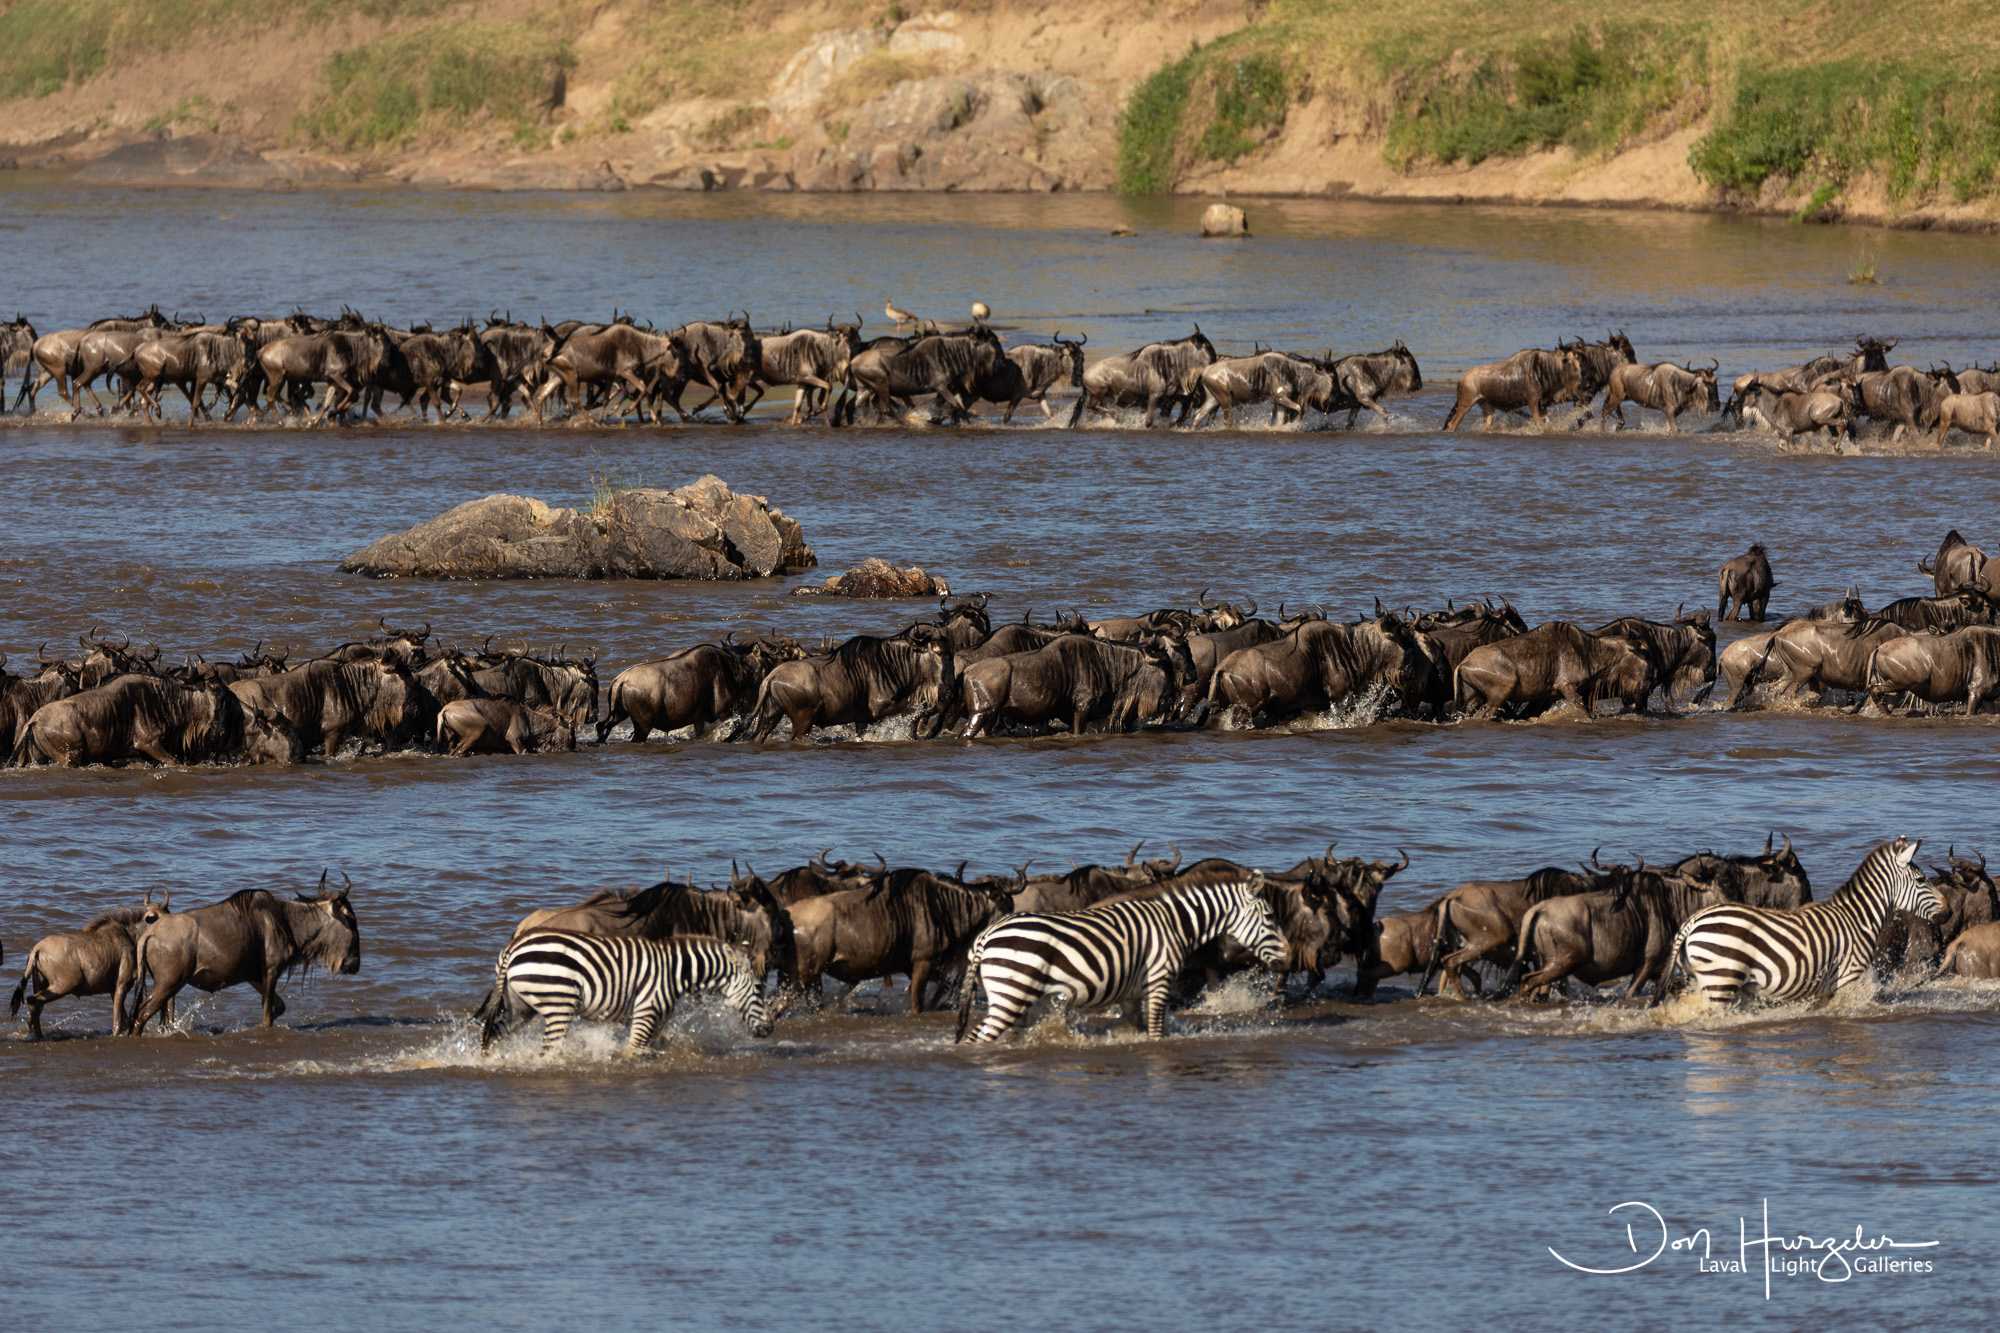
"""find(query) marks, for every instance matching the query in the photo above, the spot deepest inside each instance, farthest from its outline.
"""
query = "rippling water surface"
(1338, 1165)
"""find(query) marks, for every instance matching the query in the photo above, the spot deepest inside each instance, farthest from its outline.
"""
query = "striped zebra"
(563, 975)
(1119, 951)
(1732, 951)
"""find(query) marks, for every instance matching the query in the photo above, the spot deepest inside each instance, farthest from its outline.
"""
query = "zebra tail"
(967, 987)
(1677, 964)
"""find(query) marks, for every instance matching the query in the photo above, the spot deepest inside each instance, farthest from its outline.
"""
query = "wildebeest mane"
(116, 916)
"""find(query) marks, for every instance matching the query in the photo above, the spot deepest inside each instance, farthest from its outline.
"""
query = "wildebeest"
(499, 726)
(1043, 367)
(1480, 921)
(149, 717)
(1975, 953)
(1365, 378)
(725, 357)
(696, 687)
(192, 362)
(1404, 945)
(1290, 384)
(1666, 388)
(17, 347)
(1597, 361)
(253, 936)
(1551, 661)
(1940, 615)
(1320, 665)
(812, 361)
(1820, 656)
(566, 687)
(949, 366)
(745, 914)
(440, 362)
(327, 703)
(617, 356)
(1869, 354)
(1937, 668)
(1766, 879)
(1957, 564)
(54, 355)
(1793, 413)
(1154, 377)
(1904, 395)
(1077, 679)
(20, 696)
(863, 680)
(345, 360)
(909, 923)
(520, 355)
(96, 960)
(1531, 379)
(1973, 413)
(1745, 580)
(1683, 652)
(1623, 926)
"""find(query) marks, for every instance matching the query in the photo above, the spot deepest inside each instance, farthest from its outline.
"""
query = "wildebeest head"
(329, 936)
(1073, 348)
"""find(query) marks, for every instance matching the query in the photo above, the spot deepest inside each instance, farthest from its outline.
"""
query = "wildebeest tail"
(30, 977)
(1441, 943)
(1523, 952)
(19, 755)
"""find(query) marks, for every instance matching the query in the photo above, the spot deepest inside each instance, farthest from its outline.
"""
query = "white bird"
(901, 317)
(980, 311)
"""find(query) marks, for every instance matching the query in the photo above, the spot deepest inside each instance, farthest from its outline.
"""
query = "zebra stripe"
(1732, 950)
(1111, 953)
(563, 976)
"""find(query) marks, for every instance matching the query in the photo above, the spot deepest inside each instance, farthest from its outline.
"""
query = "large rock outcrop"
(701, 531)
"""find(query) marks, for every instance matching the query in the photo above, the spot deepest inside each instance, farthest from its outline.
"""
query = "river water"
(1334, 1166)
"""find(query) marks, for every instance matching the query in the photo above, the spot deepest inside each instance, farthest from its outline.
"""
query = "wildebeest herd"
(1146, 935)
(1215, 663)
(588, 371)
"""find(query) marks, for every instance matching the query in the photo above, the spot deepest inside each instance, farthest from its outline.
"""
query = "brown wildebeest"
(1744, 661)
(1075, 680)
(745, 915)
(1683, 652)
(1551, 661)
(1041, 368)
(1531, 379)
(1956, 564)
(1820, 656)
(1155, 377)
(20, 696)
(608, 359)
(1747, 581)
(1666, 388)
(96, 960)
(813, 361)
(497, 726)
(864, 680)
(813, 880)
(697, 687)
(1937, 668)
(1365, 378)
(1086, 886)
(1321, 665)
(726, 358)
(1974, 953)
(909, 922)
(328, 702)
(1481, 920)
(1793, 414)
(253, 936)
(1902, 394)
(1624, 926)
(1290, 384)
(1405, 944)
(1767, 879)
(149, 717)
(1973, 413)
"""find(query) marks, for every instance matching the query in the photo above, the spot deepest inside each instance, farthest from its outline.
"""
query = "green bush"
(1250, 94)
(1588, 89)
(1150, 125)
(385, 93)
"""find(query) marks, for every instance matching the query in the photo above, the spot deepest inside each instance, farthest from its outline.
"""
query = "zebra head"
(744, 992)
(1251, 925)
(1908, 888)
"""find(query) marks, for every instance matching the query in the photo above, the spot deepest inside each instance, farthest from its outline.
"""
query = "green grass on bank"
(1789, 90)
(440, 77)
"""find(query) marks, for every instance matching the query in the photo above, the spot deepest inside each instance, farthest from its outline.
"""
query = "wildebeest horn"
(1329, 853)
(882, 864)
(1767, 841)
(1175, 849)
(1788, 845)
(1201, 600)
(1129, 856)
(1406, 859)
(1253, 609)
(1021, 873)
(1593, 855)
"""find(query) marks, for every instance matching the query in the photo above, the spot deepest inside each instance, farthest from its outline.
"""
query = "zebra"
(563, 975)
(1732, 950)
(1120, 951)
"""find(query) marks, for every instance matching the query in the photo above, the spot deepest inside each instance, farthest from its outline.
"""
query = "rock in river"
(702, 531)
(878, 578)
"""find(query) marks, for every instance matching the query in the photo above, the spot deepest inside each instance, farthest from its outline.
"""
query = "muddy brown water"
(1332, 1165)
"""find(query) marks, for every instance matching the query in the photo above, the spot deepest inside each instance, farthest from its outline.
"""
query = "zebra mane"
(1859, 886)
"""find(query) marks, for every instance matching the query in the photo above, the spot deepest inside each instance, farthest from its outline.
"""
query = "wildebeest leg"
(274, 1003)
(920, 977)
(1575, 696)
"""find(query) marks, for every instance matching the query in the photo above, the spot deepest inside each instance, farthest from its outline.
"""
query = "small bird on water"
(901, 317)
(980, 310)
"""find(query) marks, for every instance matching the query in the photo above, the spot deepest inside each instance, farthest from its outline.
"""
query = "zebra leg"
(1156, 1005)
(647, 1019)
(555, 1024)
